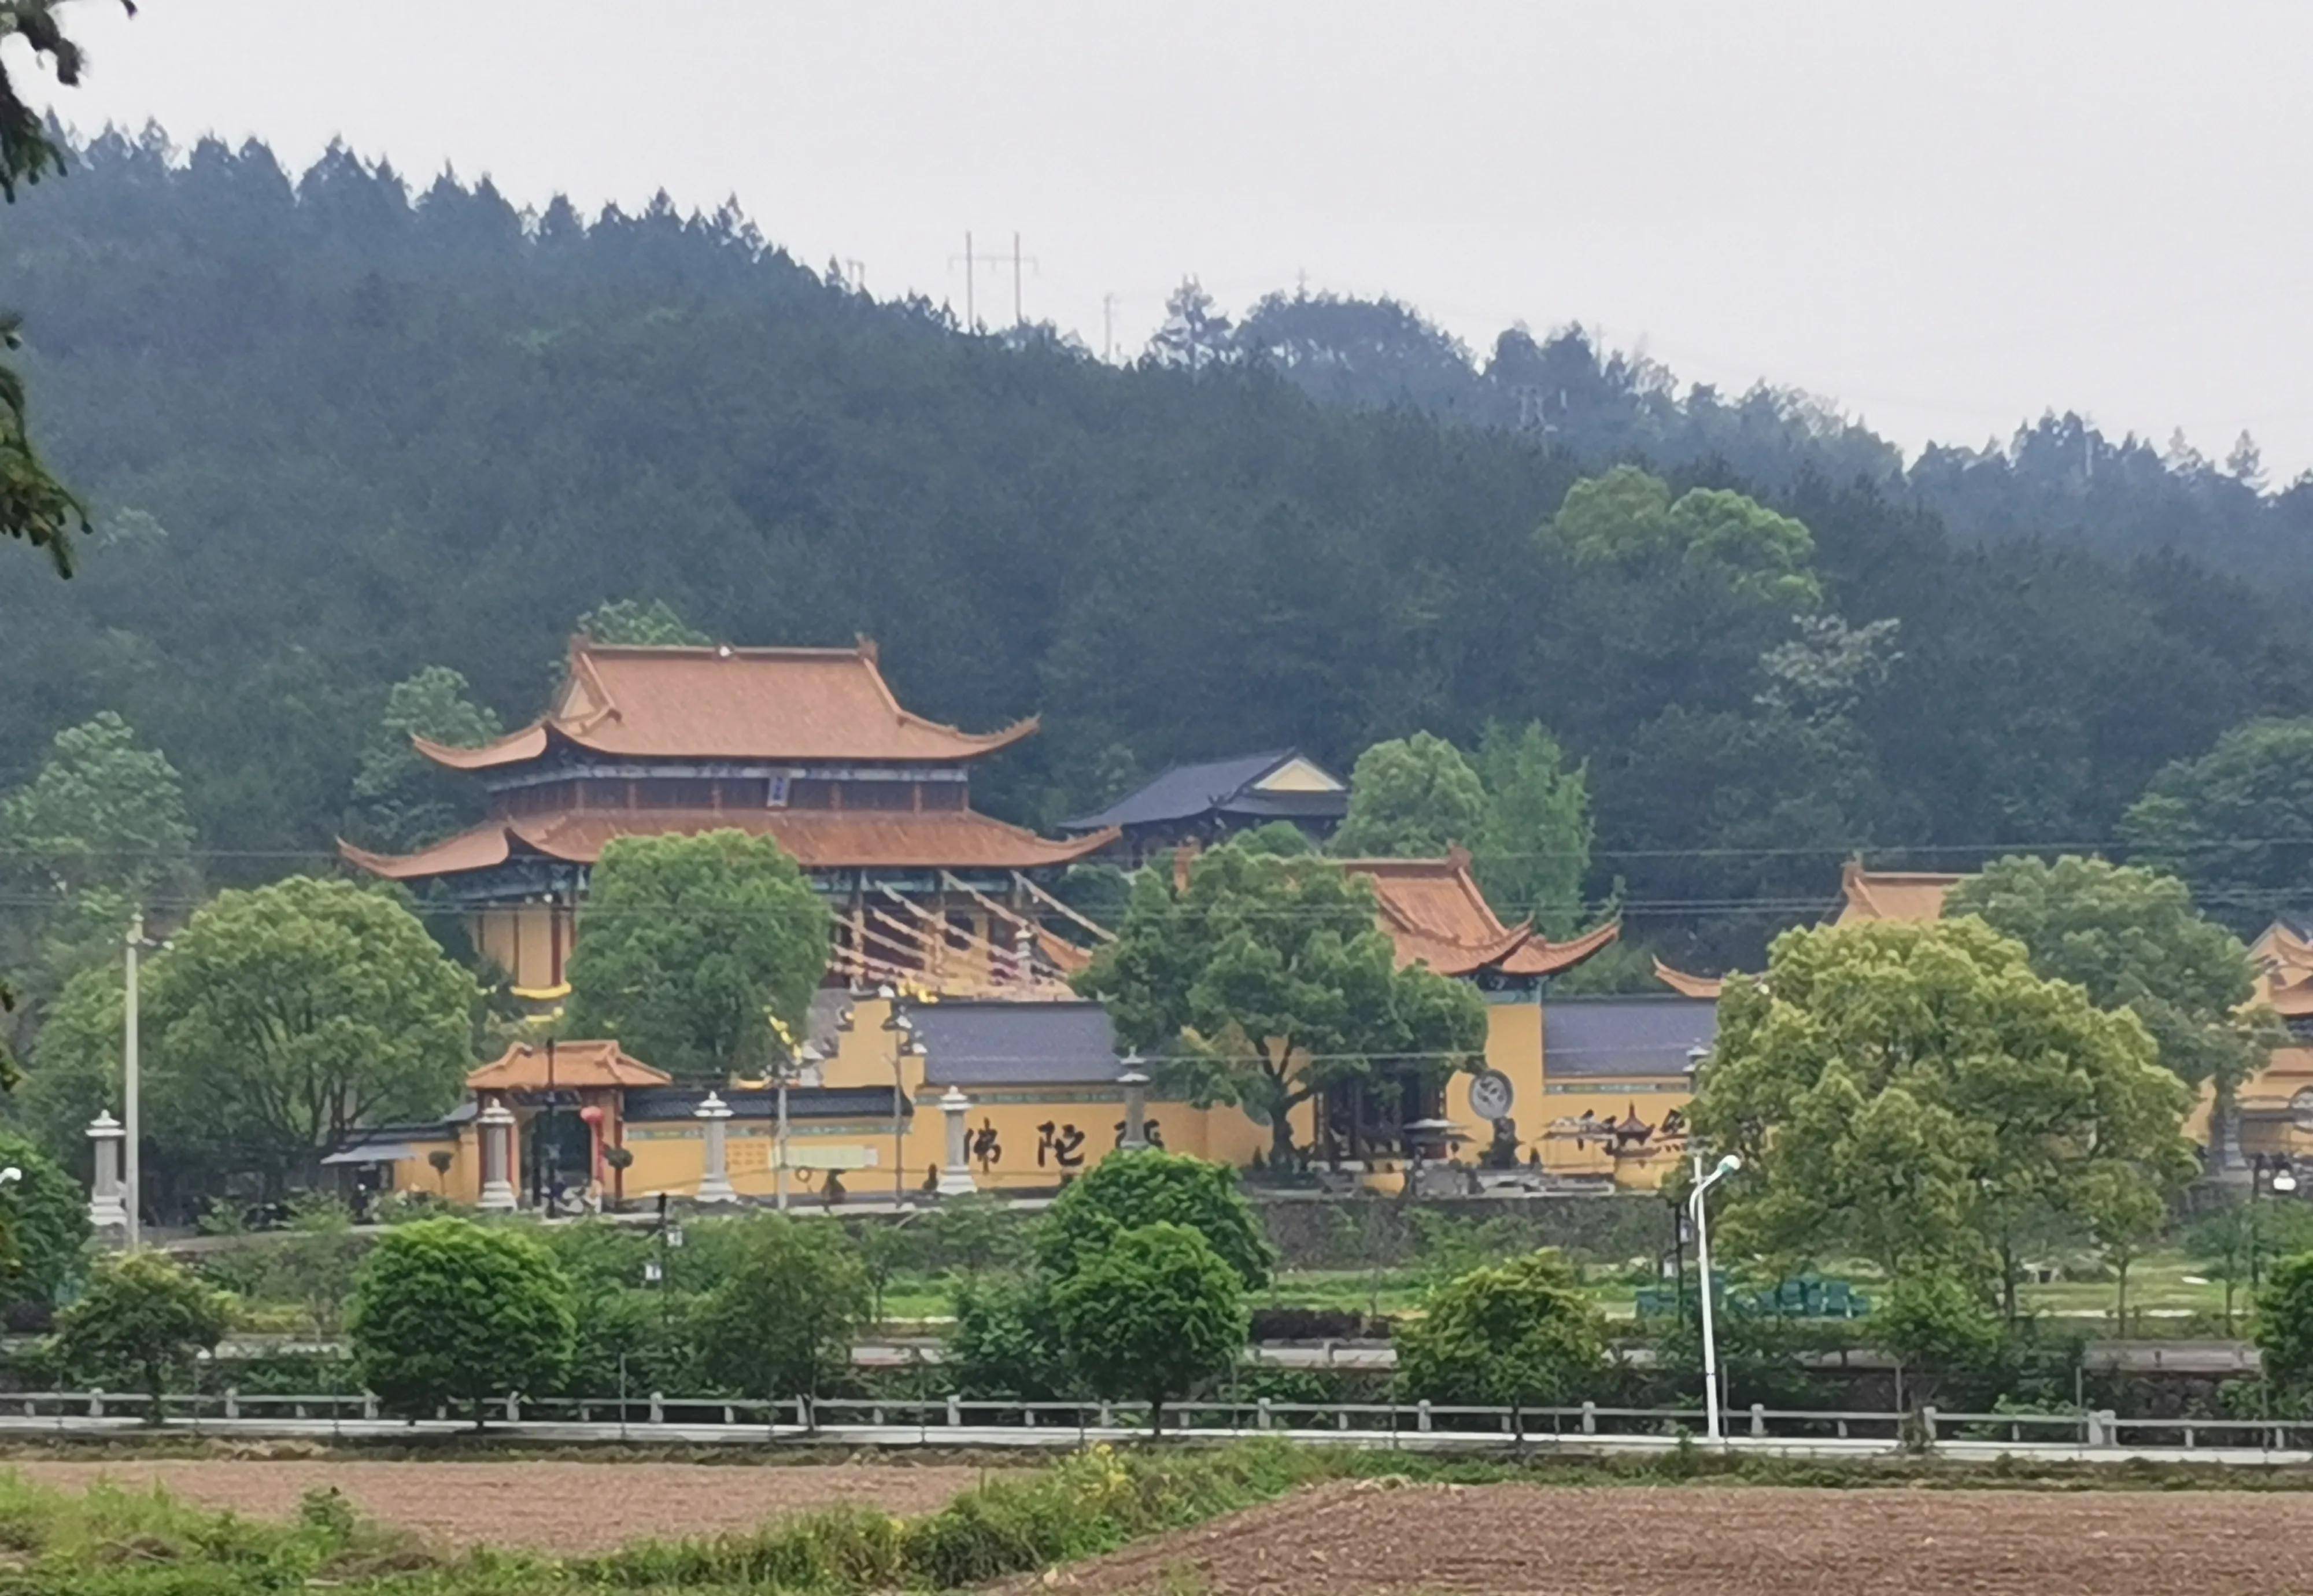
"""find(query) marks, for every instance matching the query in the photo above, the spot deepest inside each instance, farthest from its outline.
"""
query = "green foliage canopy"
(1915, 1093)
(780, 1321)
(1410, 798)
(142, 1318)
(2237, 823)
(2133, 937)
(1127, 1190)
(99, 832)
(449, 1312)
(1154, 1313)
(1533, 851)
(1265, 980)
(282, 1017)
(401, 801)
(1628, 518)
(43, 1223)
(685, 944)
(2284, 1323)
(1519, 1332)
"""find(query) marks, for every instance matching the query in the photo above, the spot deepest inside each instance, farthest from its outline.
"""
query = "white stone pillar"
(106, 1209)
(714, 1117)
(495, 1134)
(955, 1180)
(1136, 1110)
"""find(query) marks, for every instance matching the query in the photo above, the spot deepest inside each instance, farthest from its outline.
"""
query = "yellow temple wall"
(461, 1183)
(519, 938)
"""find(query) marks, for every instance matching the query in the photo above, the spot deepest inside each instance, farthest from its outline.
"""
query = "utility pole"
(130, 1085)
(1015, 262)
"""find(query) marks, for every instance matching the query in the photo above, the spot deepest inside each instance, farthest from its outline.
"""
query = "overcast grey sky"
(1944, 216)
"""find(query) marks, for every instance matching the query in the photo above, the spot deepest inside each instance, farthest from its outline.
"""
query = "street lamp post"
(1703, 1184)
(2271, 1172)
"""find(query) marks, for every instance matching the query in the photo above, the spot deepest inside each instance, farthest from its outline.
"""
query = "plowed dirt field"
(1507, 1540)
(560, 1507)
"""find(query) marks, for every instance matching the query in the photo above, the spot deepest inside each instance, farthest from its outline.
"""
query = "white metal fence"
(962, 1421)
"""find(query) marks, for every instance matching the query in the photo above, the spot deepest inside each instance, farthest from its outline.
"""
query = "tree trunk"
(153, 1385)
(1155, 1415)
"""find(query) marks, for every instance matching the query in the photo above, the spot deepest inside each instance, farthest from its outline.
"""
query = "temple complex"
(806, 746)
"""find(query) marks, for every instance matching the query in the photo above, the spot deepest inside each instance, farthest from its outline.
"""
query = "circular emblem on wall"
(1490, 1096)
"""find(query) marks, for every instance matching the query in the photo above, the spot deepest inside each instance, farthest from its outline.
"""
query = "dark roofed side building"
(1606, 1039)
(1034, 1044)
(1206, 802)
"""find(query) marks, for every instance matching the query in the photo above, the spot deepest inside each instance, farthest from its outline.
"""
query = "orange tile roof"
(1433, 911)
(723, 702)
(819, 839)
(578, 1065)
(1892, 894)
(1689, 986)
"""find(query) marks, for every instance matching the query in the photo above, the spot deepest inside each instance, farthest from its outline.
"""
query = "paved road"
(1058, 1437)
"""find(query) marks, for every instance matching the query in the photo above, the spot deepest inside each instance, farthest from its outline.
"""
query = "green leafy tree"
(1628, 518)
(1935, 1324)
(34, 507)
(1006, 1343)
(1280, 837)
(1410, 798)
(970, 1235)
(2125, 1214)
(99, 832)
(780, 1321)
(1265, 980)
(401, 801)
(142, 1318)
(2236, 823)
(75, 1065)
(1128, 1190)
(2284, 1323)
(637, 622)
(282, 1017)
(1533, 851)
(2133, 937)
(686, 943)
(1917, 1095)
(1518, 1334)
(1152, 1315)
(450, 1313)
(43, 1223)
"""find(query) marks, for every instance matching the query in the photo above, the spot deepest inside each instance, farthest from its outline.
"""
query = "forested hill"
(2059, 477)
(336, 430)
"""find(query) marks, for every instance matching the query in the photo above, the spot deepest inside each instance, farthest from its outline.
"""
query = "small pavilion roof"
(819, 839)
(1433, 911)
(1892, 894)
(576, 1066)
(722, 703)
(1229, 786)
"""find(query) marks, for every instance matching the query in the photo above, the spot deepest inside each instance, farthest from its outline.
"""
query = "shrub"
(1519, 1334)
(46, 1224)
(2284, 1322)
(780, 1322)
(1155, 1312)
(1005, 1345)
(449, 1312)
(141, 1318)
(1126, 1190)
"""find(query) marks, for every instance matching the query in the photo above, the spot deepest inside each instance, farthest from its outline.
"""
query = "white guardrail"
(958, 1421)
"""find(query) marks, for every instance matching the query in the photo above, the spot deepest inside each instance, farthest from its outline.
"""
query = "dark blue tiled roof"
(1186, 791)
(803, 1102)
(1611, 1037)
(975, 1043)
